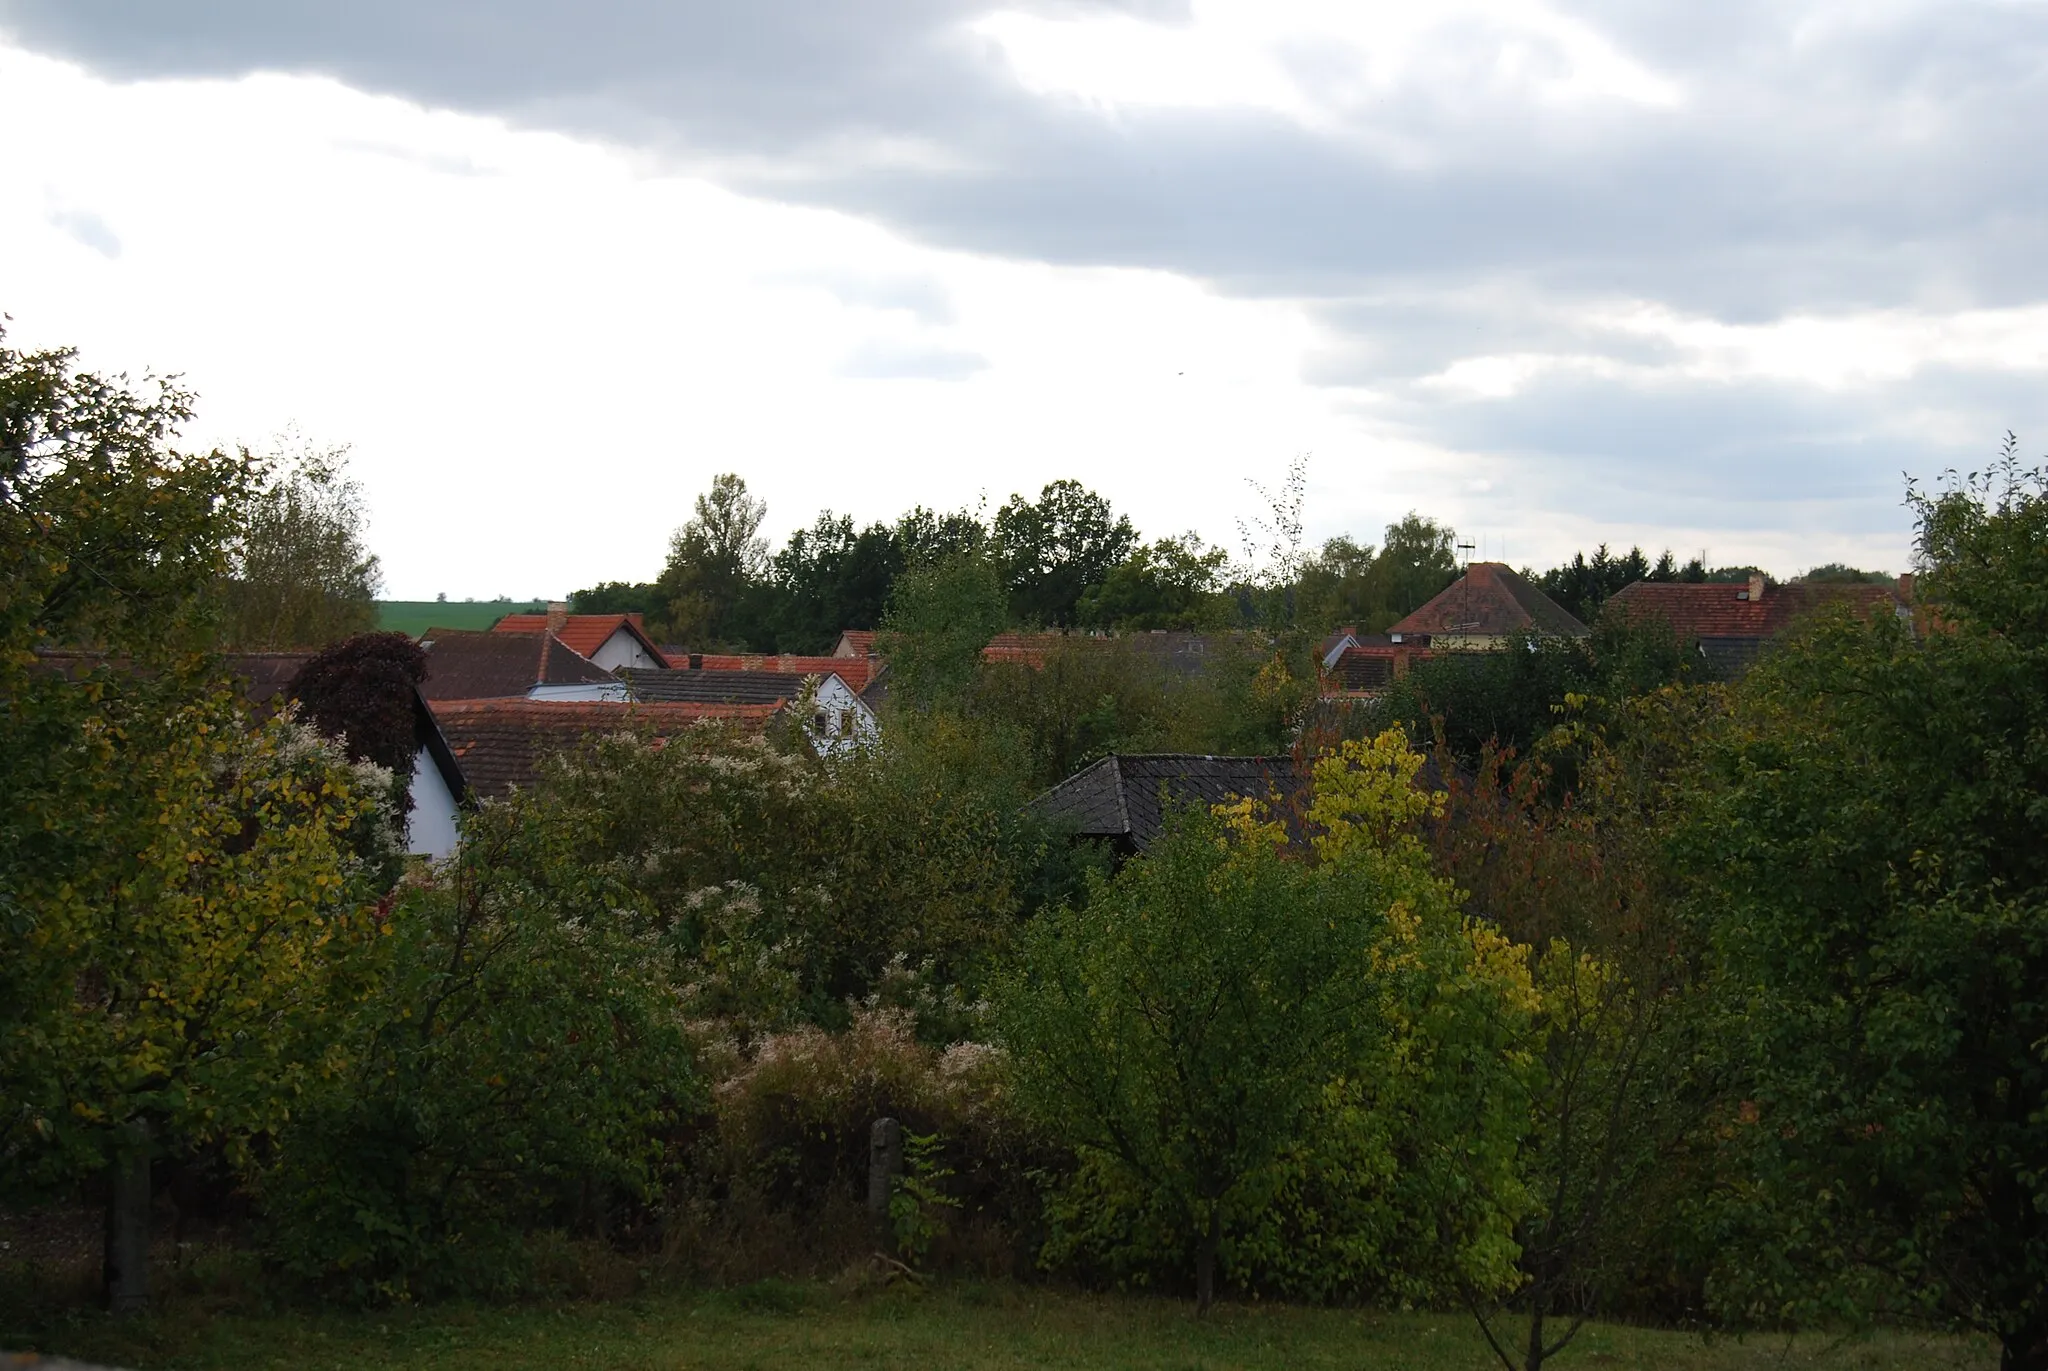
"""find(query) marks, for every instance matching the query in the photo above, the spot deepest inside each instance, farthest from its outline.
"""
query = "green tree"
(1052, 549)
(620, 597)
(940, 618)
(714, 560)
(1238, 1042)
(1176, 583)
(1350, 584)
(1877, 891)
(518, 1057)
(833, 577)
(301, 576)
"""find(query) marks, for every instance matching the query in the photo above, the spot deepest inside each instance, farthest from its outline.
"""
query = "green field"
(979, 1327)
(415, 617)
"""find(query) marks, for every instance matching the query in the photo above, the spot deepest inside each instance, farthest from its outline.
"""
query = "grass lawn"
(778, 1324)
(415, 617)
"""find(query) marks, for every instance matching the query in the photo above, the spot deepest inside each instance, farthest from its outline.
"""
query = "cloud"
(885, 360)
(1588, 251)
(88, 230)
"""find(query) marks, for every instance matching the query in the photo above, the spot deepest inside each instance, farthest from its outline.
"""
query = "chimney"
(1906, 587)
(1756, 586)
(696, 661)
(558, 615)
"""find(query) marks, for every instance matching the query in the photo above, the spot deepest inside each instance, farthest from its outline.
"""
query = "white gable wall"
(622, 649)
(430, 829)
(842, 720)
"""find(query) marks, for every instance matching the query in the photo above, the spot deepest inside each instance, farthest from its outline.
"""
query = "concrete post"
(885, 1164)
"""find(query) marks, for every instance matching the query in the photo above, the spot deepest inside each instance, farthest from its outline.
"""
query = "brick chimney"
(558, 615)
(1756, 586)
(1906, 587)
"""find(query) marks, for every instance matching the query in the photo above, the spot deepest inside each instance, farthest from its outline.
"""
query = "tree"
(300, 575)
(619, 597)
(940, 618)
(1226, 1032)
(832, 577)
(1877, 890)
(1183, 1021)
(1053, 549)
(1176, 583)
(714, 559)
(1348, 584)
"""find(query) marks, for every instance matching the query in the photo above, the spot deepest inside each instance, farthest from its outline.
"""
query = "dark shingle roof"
(500, 744)
(1364, 669)
(1127, 798)
(1491, 600)
(714, 687)
(464, 665)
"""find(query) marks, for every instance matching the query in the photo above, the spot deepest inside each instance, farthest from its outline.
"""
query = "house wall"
(622, 649)
(586, 690)
(430, 829)
(848, 722)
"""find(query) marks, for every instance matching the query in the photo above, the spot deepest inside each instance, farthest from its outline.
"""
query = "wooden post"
(885, 1164)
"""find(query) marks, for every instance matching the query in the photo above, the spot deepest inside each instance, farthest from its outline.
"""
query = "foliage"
(1052, 549)
(364, 692)
(301, 576)
(612, 597)
(110, 539)
(919, 1202)
(522, 1045)
(784, 884)
(1262, 1062)
(1349, 584)
(1176, 583)
(832, 577)
(714, 559)
(186, 982)
(1510, 698)
(940, 618)
(1875, 891)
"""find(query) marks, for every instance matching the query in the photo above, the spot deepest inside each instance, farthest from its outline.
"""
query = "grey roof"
(711, 686)
(1127, 798)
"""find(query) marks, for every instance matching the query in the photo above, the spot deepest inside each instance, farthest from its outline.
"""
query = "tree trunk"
(1205, 1263)
(127, 1248)
(1532, 1360)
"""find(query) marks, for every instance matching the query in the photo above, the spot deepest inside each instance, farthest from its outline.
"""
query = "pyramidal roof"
(1491, 600)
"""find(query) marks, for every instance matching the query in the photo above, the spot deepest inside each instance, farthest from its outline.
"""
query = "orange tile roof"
(858, 642)
(584, 633)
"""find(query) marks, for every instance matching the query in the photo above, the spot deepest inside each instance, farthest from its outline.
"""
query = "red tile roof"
(1720, 610)
(584, 633)
(1491, 600)
(499, 744)
(855, 642)
(466, 665)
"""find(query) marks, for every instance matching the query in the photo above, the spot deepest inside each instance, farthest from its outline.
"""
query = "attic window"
(1742, 594)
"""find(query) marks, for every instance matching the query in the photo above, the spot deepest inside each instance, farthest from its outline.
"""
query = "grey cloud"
(1823, 158)
(923, 298)
(882, 360)
(88, 229)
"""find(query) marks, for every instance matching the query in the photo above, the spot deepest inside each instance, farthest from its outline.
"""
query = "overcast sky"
(1701, 275)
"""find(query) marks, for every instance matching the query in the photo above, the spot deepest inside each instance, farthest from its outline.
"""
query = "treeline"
(1067, 560)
